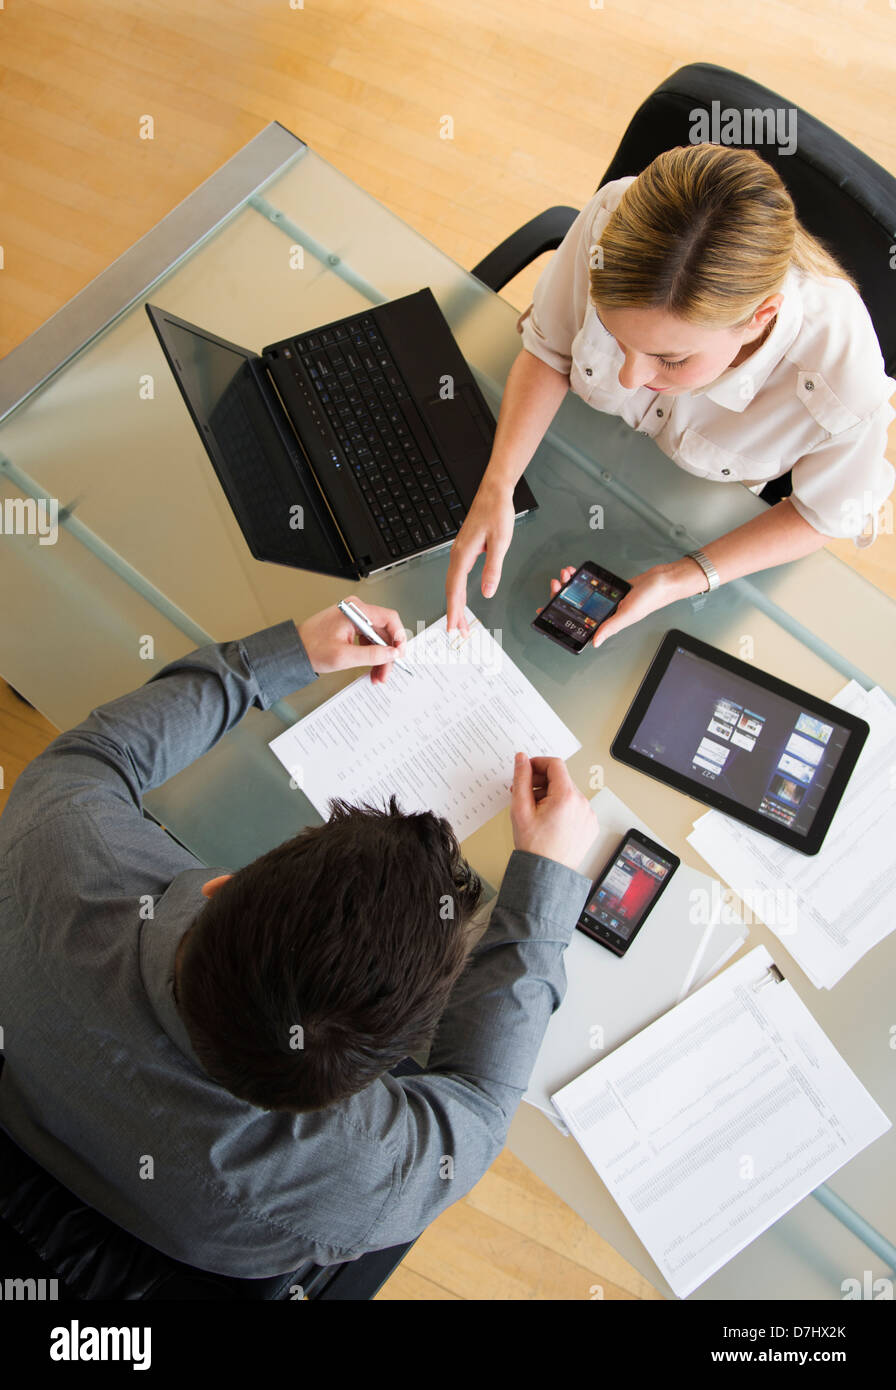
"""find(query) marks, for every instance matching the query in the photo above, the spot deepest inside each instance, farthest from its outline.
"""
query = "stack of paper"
(718, 1118)
(828, 909)
(440, 738)
(688, 936)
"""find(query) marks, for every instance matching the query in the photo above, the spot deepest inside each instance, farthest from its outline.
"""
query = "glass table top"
(148, 547)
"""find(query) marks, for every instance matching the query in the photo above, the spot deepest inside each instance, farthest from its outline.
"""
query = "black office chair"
(841, 196)
(46, 1232)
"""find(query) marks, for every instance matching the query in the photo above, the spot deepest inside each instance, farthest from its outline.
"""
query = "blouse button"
(725, 472)
(660, 413)
(810, 385)
(588, 371)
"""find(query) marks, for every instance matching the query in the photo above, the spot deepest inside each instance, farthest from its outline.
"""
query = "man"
(203, 1057)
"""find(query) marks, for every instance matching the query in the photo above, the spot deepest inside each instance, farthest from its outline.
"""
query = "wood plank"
(466, 1249)
(512, 1194)
(408, 1286)
(23, 734)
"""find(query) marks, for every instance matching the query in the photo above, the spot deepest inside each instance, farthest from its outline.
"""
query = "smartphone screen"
(627, 890)
(574, 614)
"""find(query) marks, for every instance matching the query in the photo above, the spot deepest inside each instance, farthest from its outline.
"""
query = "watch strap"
(707, 567)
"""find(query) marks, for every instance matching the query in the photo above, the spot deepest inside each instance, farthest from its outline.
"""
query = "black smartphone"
(626, 892)
(574, 614)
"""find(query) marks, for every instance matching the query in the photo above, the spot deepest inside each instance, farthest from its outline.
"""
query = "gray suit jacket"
(101, 1085)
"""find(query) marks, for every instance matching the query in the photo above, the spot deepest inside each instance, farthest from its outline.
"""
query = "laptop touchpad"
(457, 430)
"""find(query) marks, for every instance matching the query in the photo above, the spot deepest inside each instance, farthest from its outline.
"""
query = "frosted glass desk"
(277, 242)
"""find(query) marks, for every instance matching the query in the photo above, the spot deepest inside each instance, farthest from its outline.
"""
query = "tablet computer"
(748, 744)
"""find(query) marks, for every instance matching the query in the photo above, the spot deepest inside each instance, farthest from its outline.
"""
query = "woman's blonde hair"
(706, 232)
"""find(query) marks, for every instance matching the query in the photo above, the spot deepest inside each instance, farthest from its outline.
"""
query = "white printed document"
(718, 1118)
(441, 738)
(827, 909)
(690, 935)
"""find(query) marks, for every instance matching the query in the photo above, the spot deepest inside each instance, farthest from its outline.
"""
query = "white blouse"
(814, 397)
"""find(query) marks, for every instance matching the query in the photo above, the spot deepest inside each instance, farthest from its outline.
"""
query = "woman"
(691, 302)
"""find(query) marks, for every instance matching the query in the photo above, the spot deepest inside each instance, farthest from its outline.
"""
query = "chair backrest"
(841, 196)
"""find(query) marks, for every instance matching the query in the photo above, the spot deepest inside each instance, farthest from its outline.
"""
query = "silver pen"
(363, 624)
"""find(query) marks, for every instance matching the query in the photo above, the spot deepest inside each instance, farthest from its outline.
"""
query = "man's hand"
(651, 590)
(488, 527)
(334, 644)
(549, 814)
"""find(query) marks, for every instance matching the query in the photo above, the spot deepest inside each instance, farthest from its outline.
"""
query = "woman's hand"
(488, 527)
(334, 644)
(651, 590)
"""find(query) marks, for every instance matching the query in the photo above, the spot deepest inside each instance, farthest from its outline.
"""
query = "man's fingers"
(552, 771)
(521, 789)
(541, 762)
(539, 786)
(392, 630)
(386, 621)
(369, 654)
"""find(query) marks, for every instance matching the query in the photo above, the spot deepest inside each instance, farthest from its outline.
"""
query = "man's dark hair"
(317, 967)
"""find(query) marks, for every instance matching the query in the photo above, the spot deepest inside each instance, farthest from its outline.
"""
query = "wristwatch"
(707, 567)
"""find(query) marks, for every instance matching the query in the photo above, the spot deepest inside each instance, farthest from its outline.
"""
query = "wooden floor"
(539, 95)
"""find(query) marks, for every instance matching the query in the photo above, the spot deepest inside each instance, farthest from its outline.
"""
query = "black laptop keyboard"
(407, 489)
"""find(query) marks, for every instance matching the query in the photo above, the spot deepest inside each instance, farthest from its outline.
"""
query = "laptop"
(348, 449)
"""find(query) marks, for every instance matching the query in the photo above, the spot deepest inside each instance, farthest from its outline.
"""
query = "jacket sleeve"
(450, 1122)
(134, 743)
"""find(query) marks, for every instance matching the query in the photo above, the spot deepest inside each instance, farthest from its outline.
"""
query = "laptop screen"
(274, 497)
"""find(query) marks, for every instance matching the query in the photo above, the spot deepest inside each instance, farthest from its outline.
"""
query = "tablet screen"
(736, 739)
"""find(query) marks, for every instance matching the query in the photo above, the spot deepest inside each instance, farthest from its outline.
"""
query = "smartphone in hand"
(574, 614)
